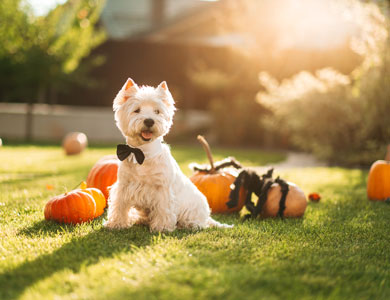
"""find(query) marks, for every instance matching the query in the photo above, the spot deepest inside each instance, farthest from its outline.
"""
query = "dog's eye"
(137, 111)
(156, 111)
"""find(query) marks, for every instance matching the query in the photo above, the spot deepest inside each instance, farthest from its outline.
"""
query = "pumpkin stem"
(206, 148)
(78, 185)
(387, 158)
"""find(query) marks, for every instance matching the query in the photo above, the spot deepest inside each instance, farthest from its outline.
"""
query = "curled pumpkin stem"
(206, 148)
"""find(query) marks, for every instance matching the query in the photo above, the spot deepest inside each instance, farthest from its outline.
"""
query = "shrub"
(341, 118)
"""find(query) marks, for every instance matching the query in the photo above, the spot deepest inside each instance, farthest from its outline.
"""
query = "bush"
(343, 119)
(237, 122)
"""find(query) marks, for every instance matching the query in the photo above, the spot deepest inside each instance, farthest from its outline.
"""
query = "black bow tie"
(123, 151)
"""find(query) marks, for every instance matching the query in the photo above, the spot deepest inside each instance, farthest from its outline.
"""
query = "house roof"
(185, 21)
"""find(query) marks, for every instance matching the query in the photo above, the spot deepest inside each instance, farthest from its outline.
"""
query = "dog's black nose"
(149, 122)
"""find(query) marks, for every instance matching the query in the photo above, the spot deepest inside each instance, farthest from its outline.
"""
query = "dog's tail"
(212, 223)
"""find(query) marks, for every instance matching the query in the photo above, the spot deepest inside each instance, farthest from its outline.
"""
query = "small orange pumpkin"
(378, 183)
(76, 207)
(215, 184)
(103, 174)
(216, 187)
(98, 196)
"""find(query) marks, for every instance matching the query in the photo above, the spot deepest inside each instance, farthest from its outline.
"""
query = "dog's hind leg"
(212, 223)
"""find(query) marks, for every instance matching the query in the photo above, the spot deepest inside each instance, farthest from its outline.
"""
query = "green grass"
(339, 250)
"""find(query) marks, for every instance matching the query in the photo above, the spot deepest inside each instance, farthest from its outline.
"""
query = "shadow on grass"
(27, 177)
(80, 251)
(52, 228)
(23, 177)
(47, 228)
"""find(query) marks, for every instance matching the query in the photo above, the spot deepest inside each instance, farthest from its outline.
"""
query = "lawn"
(339, 250)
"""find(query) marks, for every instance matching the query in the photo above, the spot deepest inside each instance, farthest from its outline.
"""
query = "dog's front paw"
(161, 228)
(109, 224)
(162, 221)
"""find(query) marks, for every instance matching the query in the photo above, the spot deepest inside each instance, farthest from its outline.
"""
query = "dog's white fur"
(156, 193)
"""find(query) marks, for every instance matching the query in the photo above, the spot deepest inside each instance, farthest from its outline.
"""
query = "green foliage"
(230, 95)
(339, 250)
(42, 54)
(236, 122)
(343, 119)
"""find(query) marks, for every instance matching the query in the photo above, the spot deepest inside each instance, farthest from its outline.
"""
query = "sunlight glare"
(312, 24)
(42, 7)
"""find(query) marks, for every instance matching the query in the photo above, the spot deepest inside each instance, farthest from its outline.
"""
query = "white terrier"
(151, 189)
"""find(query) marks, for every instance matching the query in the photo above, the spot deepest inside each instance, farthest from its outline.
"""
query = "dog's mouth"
(146, 135)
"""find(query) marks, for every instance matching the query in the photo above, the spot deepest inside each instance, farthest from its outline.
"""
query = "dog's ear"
(129, 88)
(163, 85)
(129, 84)
(167, 96)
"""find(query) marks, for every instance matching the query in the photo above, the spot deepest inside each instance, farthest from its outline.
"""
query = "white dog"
(151, 189)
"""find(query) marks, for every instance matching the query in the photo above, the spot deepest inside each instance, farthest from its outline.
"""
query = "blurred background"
(308, 75)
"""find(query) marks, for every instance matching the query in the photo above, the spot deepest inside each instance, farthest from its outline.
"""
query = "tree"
(40, 56)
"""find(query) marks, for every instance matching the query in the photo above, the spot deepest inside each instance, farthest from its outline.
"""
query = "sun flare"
(308, 24)
(312, 24)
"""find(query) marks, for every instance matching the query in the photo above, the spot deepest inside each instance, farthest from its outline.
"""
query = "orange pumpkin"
(76, 207)
(73, 207)
(295, 202)
(216, 187)
(74, 143)
(215, 184)
(103, 174)
(378, 183)
(98, 196)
